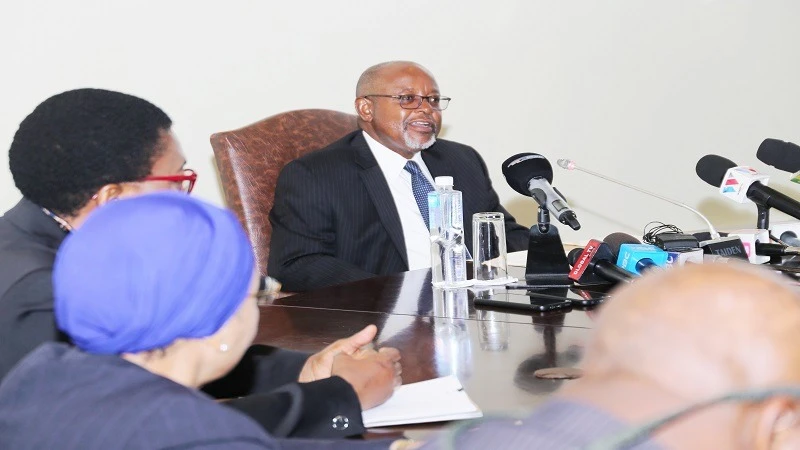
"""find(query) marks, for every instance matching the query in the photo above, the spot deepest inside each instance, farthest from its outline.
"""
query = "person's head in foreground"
(702, 331)
(165, 281)
(399, 105)
(674, 339)
(82, 148)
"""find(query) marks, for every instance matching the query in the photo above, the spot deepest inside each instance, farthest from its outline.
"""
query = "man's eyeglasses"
(186, 180)
(408, 101)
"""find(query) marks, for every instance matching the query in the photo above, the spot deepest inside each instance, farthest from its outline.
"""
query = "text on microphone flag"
(583, 260)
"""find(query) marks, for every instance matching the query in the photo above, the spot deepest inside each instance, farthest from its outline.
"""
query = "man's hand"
(318, 365)
(373, 376)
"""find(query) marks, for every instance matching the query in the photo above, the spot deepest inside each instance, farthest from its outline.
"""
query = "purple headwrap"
(145, 271)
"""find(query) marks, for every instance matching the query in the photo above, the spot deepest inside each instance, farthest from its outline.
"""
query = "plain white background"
(635, 89)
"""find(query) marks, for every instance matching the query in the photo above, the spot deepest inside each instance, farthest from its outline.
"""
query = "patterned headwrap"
(145, 271)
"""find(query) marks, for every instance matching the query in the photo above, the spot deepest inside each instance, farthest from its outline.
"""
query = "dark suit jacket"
(28, 243)
(60, 397)
(558, 424)
(335, 221)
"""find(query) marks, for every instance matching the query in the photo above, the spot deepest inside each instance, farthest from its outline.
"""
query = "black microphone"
(531, 174)
(743, 182)
(779, 154)
(790, 237)
(615, 241)
(767, 249)
(595, 263)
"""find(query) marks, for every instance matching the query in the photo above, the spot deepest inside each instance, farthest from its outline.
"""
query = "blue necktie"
(420, 186)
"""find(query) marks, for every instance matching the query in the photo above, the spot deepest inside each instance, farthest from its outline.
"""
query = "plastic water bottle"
(448, 252)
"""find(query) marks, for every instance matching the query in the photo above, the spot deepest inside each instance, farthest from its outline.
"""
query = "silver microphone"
(569, 164)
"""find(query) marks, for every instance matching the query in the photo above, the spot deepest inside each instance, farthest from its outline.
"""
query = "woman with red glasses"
(81, 149)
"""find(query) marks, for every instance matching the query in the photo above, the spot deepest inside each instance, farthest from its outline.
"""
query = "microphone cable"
(649, 234)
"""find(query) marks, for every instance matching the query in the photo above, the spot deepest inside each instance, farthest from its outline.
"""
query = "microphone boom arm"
(569, 165)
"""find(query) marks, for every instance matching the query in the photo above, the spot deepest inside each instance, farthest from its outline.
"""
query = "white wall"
(634, 89)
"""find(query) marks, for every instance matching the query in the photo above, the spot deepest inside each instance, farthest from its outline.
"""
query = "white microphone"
(569, 164)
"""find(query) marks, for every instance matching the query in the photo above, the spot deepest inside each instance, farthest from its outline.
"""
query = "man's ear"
(364, 109)
(108, 193)
(777, 424)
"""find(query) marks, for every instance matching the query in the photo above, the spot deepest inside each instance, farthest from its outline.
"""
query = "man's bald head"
(371, 81)
(700, 330)
(393, 102)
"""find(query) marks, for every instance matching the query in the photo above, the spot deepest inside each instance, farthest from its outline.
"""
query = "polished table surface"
(493, 352)
(494, 360)
(411, 293)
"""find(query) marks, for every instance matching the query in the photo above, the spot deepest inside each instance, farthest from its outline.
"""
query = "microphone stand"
(547, 264)
(762, 223)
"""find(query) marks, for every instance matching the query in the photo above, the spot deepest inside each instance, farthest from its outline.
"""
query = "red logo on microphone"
(583, 260)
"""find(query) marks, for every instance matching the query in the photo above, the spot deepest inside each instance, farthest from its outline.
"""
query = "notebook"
(433, 400)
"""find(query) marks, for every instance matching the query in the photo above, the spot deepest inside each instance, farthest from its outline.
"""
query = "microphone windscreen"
(712, 169)
(780, 155)
(520, 169)
(615, 241)
(572, 256)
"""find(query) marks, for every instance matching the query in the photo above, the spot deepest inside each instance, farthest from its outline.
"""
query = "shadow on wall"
(725, 214)
(523, 209)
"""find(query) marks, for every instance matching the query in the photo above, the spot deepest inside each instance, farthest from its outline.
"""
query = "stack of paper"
(427, 401)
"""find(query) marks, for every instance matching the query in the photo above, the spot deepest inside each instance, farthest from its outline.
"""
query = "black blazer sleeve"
(266, 382)
(303, 241)
(310, 410)
(26, 311)
(262, 369)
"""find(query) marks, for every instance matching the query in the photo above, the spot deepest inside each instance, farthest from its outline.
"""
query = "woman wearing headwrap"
(158, 293)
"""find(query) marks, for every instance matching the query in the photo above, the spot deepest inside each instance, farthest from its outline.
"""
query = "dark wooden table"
(411, 293)
(494, 353)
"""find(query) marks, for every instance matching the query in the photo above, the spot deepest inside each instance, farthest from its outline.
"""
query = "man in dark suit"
(357, 208)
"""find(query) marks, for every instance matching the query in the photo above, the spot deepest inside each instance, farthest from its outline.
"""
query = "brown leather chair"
(249, 160)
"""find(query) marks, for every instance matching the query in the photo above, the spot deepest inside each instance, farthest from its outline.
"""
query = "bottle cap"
(444, 181)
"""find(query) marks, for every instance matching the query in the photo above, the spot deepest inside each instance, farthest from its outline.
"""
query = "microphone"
(739, 183)
(767, 249)
(531, 174)
(616, 240)
(790, 237)
(595, 264)
(752, 239)
(634, 256)
(569, 164)
(779, 154)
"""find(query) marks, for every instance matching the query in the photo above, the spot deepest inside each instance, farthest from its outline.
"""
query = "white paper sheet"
(433, 400)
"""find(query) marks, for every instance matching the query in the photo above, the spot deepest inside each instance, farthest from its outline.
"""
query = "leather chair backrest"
(249, 160)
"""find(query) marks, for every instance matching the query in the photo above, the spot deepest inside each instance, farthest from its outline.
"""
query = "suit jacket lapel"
(434, 162)
(379, 192)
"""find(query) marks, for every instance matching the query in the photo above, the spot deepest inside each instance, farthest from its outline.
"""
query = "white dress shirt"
(415, 232)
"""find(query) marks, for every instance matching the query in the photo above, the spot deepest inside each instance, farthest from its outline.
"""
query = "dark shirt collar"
(32, 220)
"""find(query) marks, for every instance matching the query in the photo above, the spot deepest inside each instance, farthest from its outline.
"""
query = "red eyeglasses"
(186, 180)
